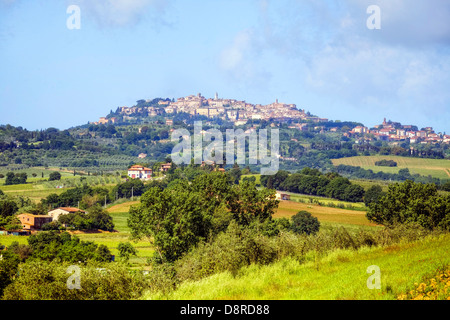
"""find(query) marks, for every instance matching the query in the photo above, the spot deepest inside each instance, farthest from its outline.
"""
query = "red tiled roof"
(70, 209)
(139, 168)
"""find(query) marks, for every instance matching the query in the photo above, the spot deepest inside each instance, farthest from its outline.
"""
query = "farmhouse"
(62, 211)
(282, 196)
(140, 172)
(33, 222)
(165, 167)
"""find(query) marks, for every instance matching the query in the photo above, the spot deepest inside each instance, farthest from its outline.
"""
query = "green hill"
(339, 275)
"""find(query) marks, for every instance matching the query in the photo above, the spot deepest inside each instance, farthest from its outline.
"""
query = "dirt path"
(447, 172)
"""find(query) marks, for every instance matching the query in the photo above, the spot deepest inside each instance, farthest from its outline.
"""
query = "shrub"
(386, 163)
(304, 223)
(40, 280)
(54, 176)
(412, 202)
(126, 250)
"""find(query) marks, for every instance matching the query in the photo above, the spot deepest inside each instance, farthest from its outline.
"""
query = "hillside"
(142, 134)
(438, 168)
(340, 275)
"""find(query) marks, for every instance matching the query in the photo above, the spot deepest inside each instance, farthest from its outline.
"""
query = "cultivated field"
(326, 215)
(438, 168)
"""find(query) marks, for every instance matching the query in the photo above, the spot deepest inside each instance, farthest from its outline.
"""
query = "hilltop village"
(233, 110)
(241, 112)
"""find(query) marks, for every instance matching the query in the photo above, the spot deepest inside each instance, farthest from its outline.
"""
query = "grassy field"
(326, 215)
(37, 187)
(438, 168)
(326, 201)
(341, 275)
(119, 213)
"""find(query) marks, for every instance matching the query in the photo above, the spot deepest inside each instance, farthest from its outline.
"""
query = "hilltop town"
(241, 112)
(396, 132)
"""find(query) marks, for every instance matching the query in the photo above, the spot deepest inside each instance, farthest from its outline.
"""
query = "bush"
(54, 176)
(126, 250)
(412, 202)
(18, 178)
(386, 163)
(304, 223)
(39, 280)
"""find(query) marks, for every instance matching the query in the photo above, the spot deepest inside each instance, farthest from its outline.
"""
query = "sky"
(319, 55)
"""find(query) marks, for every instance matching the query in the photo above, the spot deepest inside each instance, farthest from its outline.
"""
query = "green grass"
(38, 188)
(325, 201)
(7, 240)
(341, 275)
(438, 168)
(257, 177)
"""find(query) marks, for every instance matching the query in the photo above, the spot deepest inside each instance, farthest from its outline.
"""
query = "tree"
(172, 217)
(134, 187)
(353, 193)
(18, 178)
(412, 202)
(126, 250)
(304, 223)
(8, 208)
(248, 204)
(102, 254)
(54, 176)
(182, 215)
(373, 194)
(9, 265)
(235, 173)
(100, 219)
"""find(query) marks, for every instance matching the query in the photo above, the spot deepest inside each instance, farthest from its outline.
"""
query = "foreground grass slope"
(340, 275)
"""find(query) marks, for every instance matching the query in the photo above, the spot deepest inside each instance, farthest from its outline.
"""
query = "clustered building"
(230, 109)
(31, 222)
(240, 112)
(395, 131)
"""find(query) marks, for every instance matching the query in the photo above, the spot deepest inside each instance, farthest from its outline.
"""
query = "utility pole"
(132, 197)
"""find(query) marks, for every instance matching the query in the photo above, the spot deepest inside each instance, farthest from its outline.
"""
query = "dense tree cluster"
(183, 214)
(48, 246)
(402, 175)
(411, 202)
(15, 178)
(313, 182)
(386, 163)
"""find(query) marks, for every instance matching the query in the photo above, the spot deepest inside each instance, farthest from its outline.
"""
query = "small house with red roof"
(140, 172)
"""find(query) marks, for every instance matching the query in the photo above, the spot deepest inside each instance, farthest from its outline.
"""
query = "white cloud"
(232, 56)
(405, 66)
(412, 23)
(120, 13)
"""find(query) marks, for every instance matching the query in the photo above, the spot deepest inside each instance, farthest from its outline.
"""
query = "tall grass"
(341, 274)
(237, 250)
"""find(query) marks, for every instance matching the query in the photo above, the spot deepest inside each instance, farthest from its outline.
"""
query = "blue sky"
(317, 54)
